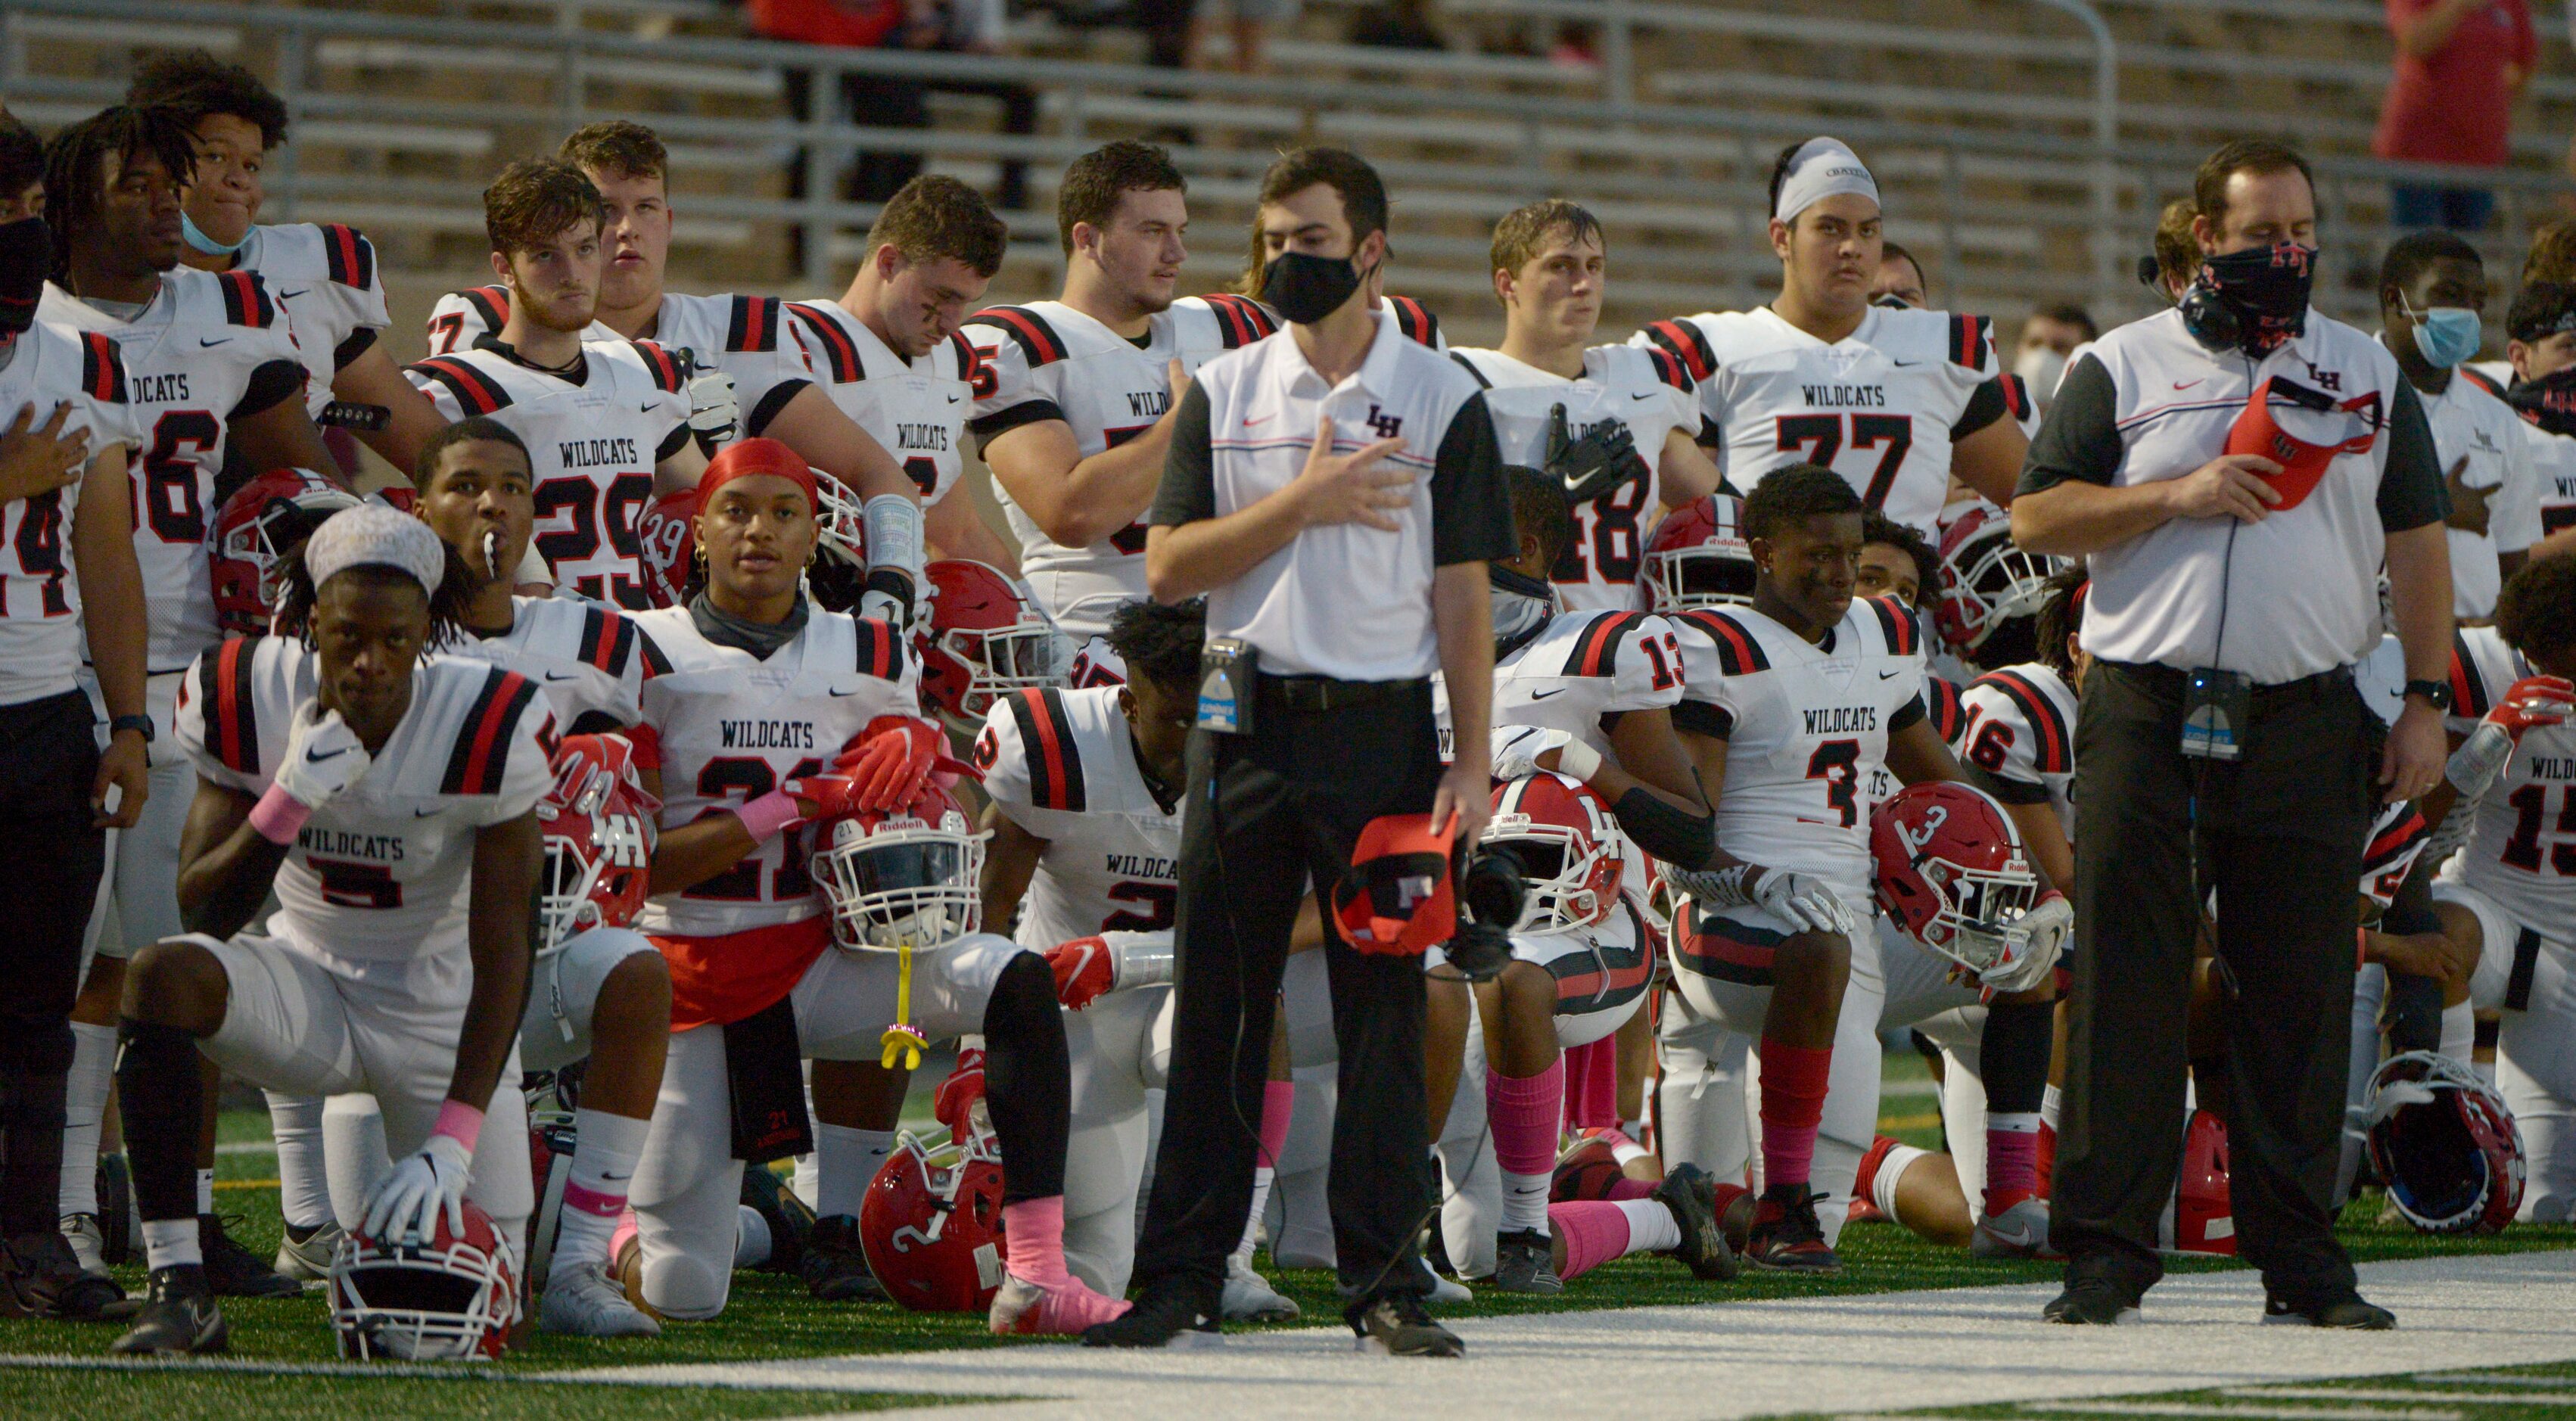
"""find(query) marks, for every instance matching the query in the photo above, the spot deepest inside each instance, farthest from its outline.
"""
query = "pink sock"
(1592, 1084)
(1033, 1251)
(1626, 1188)
(1525, 1111)
(626, 1229)
(2012, 1167)
(1793, 1100)
(1278, 1101)
(1595, 1231)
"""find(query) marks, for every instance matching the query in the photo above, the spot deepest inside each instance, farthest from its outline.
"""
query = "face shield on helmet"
(598, 825)
(907, 881)
(1986, 581)
(451, 1298)
(1951, 871)
(1699, 558)
(1555, 828)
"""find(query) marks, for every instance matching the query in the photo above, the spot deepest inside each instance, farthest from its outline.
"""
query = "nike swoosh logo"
(644, 408)
(1905, 364)
(203, 342)
(952, 399)
(2187, 384)
(567, 676)
(1647, 396)
(423, 813)
(1543, 695)
(1265, 419)
(1889, 675)
(291, 295)
(312, 759)
(837, 693)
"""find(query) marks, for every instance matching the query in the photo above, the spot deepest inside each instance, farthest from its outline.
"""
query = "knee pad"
(685, 1289)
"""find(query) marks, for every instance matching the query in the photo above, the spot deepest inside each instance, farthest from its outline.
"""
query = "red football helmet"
(1568, 849)
(985, 638)
(258, 525)
(1951, 871)
(2446, 1144)
(907, 880)
(1699, 558)
(1985, 580)
(451, 1299)
(931, 1225)
(841, 523)
(600, 824)
(670, 544)
(2200, 1220)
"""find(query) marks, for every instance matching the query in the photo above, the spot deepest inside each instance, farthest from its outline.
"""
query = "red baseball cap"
(2303, 431)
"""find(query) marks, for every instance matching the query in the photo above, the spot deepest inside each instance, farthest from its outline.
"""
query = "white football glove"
(323, 757)
(1517, 749)
(1806, 902)
(2041, 936)
(713, 415)
(410, 1199)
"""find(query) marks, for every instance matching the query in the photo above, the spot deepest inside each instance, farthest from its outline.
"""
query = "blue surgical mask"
(198, 239)
(2446, 335)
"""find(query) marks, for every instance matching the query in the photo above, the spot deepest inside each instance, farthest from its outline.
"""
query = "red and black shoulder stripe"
(2480, 380)
(102, 373)
(1971, 338)
(490, 303)
(607, 641)
(1240, 320)
(752, 324)
(1668, 368)
(482, 753)
(2468, 689)
(246, 300)
(1415, 320)
(1596, 651)
(1687, 343)
(349, 255)
(1896, 623)
(1948, 711)
(662, 365)
(224, 689)
(2052, 748)
(1046, 742)
(964, 350)
(655, 663)
(824, 337)
(1028, 330)
(1739, 651)
(880, 649)
(475, 391)
(2016, 393)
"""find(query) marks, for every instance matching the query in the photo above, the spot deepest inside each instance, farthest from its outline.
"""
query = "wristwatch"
(2436, 694)
(139, 724)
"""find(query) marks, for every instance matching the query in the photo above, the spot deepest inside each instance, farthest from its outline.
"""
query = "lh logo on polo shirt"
(1385, 424)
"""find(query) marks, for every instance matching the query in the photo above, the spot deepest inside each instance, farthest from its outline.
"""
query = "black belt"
(1323, 693)
(2166, 683)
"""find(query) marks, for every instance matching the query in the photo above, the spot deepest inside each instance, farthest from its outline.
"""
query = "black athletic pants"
(1267, 814)
(2280, 839)
(48, 755)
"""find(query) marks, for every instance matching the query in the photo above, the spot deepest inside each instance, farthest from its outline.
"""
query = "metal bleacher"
(2022, 144)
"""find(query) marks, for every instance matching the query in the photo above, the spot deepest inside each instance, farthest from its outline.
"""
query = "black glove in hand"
(1598, 463)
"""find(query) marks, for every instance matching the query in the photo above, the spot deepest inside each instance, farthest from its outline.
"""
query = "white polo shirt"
(1343, 600)
(2288, 597)
(2483, 437)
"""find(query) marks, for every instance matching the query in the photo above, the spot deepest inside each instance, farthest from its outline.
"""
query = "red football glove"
(954, 1102)
(1085, 969)
(2534, 700)
(832, 796)
(892, 760)
(648, 745)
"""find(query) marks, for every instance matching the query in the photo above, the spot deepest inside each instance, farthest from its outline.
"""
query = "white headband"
(1823, 168)
(376, 535)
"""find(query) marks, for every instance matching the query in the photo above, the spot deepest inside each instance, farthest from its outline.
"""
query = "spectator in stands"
(1900, 279)
(2460, 65)
(2553, 253)
(881, 100)
(1254, 20)
(22, 171)
(2050, 335)
(2177, 252)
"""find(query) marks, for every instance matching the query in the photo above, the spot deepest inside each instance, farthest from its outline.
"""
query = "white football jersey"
(381, 871)
(1878, 406)
(2477, 433)
(1643, 387)
(746, 337)
(2522, 845)
(2020, 730)
(735, 726)
(40, 601)
(1062, 765)
(1602, 968)
(1577, 668)
(212, 347)
(1945, 704)
(1805, 727)
(594, 441)
(917, 409)
(592, 662)
(324, 274)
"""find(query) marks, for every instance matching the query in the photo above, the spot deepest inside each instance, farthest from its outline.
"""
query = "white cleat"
(2018, 1232)
(308, 1260)
(1446, 1292)
(88, 1241)
(580, 1301)
(1250, 1298)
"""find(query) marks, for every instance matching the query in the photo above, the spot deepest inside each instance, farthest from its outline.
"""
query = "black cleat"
(178, 1319)
(1171, 1316)
(2092, 1302)
(40, 1276)
(234, 1271)
(1396, 1325)
(1786, 1236)
(790, 1222)
(2348, 1312)
(1692, 1197)
(835, 1268)
(115, 1210)
(1525, 1262)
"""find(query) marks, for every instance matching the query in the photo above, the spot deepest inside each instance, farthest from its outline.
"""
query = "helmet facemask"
(907, 886)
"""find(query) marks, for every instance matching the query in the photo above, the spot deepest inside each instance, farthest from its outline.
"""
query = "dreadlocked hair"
(2059, 615)
(447, 602)
(76, 162)
(1160, 642)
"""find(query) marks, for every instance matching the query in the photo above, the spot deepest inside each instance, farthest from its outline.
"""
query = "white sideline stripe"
(2480, 1398)
(2192, 1408)
(1948, 1348)
(2485, 1379)
(412, 1371)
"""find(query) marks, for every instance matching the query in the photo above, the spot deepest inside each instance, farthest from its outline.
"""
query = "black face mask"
(26, 257)
(1304, 288)
(2255, 300)
(2549, 402)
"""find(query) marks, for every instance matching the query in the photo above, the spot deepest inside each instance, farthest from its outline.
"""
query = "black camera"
(1491, 889)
